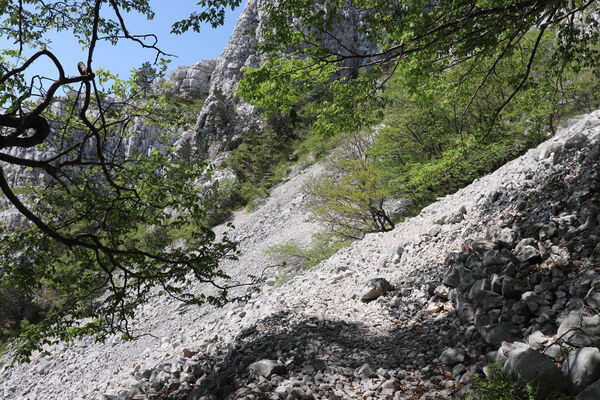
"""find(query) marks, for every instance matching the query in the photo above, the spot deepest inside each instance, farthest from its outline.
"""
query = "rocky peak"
(188, 82)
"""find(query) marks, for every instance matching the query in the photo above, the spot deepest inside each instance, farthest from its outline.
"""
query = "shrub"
(500, 386)
(293, 257)
(437, 135)
(348, 197)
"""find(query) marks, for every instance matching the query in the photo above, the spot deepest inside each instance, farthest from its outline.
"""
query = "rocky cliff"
(187, 82)
(507, 269)
(210, 136)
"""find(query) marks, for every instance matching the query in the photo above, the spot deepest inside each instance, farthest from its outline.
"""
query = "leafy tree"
(348, 198)
(436, 136)
(101, 217)
(420, 37)
(145, 75)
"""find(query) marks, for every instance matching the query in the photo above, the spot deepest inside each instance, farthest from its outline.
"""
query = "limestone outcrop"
(211, 136)
(187, 82)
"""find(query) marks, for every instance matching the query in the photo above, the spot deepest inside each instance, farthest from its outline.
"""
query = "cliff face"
(188, 82)
(238, 54)
(210, 136)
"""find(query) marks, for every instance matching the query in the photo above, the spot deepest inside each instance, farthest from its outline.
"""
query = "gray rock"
(592, 392)
(366, 371)
(576, 141)
(451, 277)
(481, 246)
(267, 368)
(495, 258)
(193, 368)
(452, 356)
(530, 366)
(488, 300)
(434, 230)
(441, 292)
(503, 332)
(537, 340)
(524, 242)
(478, 286)
(506, 237)
(375, 288)
(455, 217)
(580, 333)
(513, 288)
(391, 384)
(527, 253)
(583, 366)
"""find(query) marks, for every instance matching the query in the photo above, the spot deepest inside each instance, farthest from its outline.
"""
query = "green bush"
(437, 135)
(293, 257)
(348, 197)
(500, 386)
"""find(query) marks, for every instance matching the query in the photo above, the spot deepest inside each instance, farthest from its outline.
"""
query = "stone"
(580, 333)
(496, 283)
(481, 246)
(576, 141)
(441, 292)
(451, 277)
(592, 392)
(452, 356)
(478, 286)
(492, 232)
(537, 340)
(482, 320)
(513, 288)
(375, 288)
(488, 300)
(531, 366)
(583, 366)
(366, 371)
(527, 253)
(193, 368)
(267, 368)
(434, 230)
(506, 237)
(503, 332)
(455, 217)
(391, 384)
(496, 258)
(188, 353)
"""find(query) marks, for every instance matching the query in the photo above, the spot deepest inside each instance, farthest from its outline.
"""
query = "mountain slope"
(319, 328)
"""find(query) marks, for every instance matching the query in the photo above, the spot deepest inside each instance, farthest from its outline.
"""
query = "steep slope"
(413, 342)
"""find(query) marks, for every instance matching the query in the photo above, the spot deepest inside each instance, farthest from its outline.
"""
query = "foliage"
(144, 76)
(101, 218)
(430, 146)
(500, 386)
(182, 112)
(380, 38)
(291, 257)
(348, 197)
(260, 150)
(265, 152)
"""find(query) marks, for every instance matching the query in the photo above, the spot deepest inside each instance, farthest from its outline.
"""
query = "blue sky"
(190, 47)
